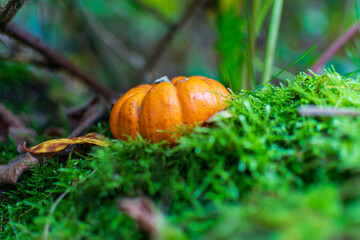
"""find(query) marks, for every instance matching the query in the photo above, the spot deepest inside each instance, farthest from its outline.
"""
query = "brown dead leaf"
(150, 219)
(11, 172)
(50, 148)
(141, 210)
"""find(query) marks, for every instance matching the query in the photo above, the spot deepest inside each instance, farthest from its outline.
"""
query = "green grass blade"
(287, 67)
(265, 6)
(250, 49)
(272, 38)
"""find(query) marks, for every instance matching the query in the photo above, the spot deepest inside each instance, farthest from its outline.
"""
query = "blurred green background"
(113, 39)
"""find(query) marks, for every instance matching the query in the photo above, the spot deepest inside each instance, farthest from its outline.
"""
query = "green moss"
(266, 173)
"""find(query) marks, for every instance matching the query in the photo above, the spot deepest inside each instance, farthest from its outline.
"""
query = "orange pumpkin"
(155, 111)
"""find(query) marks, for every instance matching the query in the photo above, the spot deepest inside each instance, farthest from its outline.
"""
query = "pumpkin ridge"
(129, 115)
(114, 115)
(183, 115)
(182, 104)
(220, 92)
(197, 102)
(159, 112)
(115, 112)
(213, 91)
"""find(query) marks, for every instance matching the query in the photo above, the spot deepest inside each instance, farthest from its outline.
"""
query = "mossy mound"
(266, 173)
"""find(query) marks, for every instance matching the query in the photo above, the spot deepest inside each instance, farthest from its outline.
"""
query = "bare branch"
(10, 10)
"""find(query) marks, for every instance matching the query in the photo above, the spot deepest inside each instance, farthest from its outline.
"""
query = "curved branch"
(336, 46)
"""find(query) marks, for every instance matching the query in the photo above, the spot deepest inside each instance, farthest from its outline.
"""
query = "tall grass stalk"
(251, 40)
(260, 16)
(271, 39)
(239, 25)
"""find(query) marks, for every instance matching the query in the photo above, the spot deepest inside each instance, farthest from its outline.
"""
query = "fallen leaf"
(150, 219)
(141, 210)
(11, 172)
(50, 148)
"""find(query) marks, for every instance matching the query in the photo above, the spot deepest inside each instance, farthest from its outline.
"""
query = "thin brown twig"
(336, 46)
(311, 110)
(163, 42)
(55, 59)
(88, 123)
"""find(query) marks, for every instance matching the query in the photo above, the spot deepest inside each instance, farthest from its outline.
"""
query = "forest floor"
(285, 166)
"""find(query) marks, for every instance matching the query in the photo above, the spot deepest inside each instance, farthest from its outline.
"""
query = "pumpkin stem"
(162, 79)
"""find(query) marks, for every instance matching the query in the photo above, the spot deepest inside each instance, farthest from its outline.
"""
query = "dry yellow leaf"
(50, 148)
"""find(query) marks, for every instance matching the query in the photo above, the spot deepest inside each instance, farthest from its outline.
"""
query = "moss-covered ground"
(265, 173)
